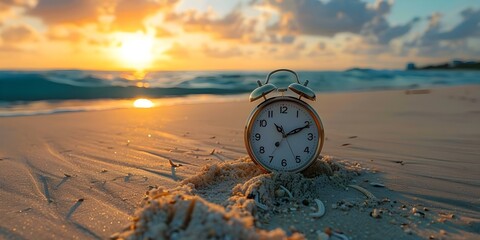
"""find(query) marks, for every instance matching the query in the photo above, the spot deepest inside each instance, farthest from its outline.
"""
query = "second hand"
(277, 147)
(293, 155)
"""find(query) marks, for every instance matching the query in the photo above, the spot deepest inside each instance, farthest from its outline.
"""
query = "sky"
(235, 34)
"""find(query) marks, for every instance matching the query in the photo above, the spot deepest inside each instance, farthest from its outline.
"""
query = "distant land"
(452, 65)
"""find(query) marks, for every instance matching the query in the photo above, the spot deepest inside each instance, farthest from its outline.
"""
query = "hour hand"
(297, 130)
(280, 129)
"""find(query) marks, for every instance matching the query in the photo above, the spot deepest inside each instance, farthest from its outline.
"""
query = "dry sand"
(88, 175)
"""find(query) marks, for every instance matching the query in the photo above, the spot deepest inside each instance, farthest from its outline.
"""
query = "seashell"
(339, 236)
(447, 216)
(364, 191)
(321, 209)
(375, 184)
(408, 231)
(259, 204)
(287, 191)
(322, 235)
(173, 164)
(375, 213)
(344, 207)
(280, 193)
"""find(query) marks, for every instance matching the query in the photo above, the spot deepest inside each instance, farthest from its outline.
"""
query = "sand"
(89, 175)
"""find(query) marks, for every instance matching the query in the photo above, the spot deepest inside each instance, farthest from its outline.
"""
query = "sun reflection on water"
(143, 103)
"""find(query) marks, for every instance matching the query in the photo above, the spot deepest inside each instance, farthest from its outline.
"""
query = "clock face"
(284, 134)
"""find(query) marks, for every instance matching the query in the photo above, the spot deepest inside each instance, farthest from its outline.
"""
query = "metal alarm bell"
(298, 88)
(303, 90)
(261, 91)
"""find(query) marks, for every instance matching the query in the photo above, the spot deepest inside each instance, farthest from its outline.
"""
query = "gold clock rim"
(257, 110)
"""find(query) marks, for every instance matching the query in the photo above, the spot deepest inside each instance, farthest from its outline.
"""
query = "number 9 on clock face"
(284, 134)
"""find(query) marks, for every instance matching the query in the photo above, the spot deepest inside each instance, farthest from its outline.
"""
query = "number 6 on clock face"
(284, 134)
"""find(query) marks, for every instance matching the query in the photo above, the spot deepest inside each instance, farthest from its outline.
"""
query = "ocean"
(56, 91)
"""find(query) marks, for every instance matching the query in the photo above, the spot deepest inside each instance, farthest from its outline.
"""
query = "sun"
(143, 103)
(136, 50)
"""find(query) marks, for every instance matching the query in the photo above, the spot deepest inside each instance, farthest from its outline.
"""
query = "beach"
(83, 175)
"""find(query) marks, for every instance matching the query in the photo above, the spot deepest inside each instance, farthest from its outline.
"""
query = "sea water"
(45, 92)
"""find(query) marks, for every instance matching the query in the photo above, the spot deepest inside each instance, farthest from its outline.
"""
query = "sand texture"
(394, 166)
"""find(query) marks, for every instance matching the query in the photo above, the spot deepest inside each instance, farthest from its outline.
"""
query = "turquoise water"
(41, 92)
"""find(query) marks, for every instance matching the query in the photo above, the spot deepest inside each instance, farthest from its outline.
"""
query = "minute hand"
(297, 130)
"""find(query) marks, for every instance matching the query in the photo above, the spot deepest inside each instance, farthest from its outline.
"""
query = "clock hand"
(277, 147)
(280, 129)
(290, 148)
(297, 130)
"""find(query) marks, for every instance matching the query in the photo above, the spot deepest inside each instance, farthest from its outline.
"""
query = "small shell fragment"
(173, 164)
(376, 184)
(280, 193)
(287, 191)
(364, 191)
(321, 209)
(322, 235)
(375, 213)
(259, 204)
(339, 236)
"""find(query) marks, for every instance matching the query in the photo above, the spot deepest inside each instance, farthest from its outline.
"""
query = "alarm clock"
(283, 133)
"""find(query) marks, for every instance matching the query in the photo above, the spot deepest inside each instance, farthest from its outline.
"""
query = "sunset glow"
(235, 35)
(136, 51)
(143, 103)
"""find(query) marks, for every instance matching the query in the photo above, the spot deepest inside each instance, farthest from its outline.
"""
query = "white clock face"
(284, 135)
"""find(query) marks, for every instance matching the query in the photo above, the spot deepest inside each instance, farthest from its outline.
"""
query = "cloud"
(7, 7)
(67, 11)
(177, 50)
(281, 39)
(161, 32)
(221, 53)
(467, 28)
(234, 25)
(10, 49)
(123, 15)
(16, 3)
(380, 31)
(313, 17)
(19, 34)
(435, 41)
(130, 14)
(62, 33)
(390, 33)
(321, 46)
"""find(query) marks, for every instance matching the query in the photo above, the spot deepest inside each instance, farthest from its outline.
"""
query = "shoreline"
(30, 108)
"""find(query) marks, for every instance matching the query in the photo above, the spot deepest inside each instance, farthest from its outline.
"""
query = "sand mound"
(178, 214)
(184, 212)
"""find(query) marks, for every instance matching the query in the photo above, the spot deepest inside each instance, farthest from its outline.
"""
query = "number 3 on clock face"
(284, 134)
